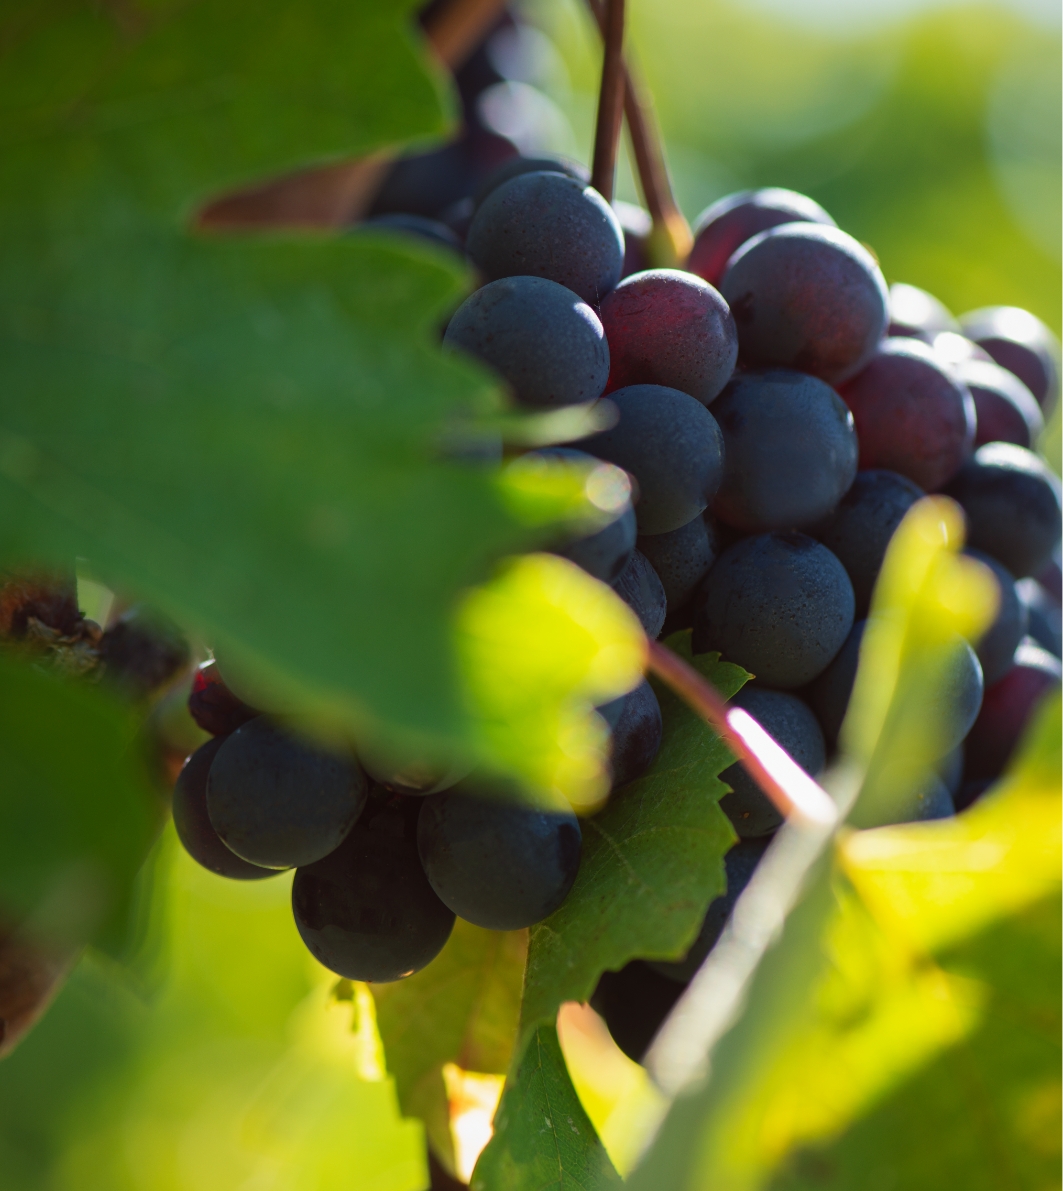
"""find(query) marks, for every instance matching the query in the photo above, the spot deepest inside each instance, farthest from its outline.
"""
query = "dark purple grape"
(1021, 343)
(950, 769)
(516, 166)
(635, 729)
(1005, 408)
(213, 706)
(720, 230)
(419, 227)
(781, 605)
(739, 865)
(673, 447)
(790, 450)
(860, 529)
(808, 297)
(642, 591)
(1012, 502)
(637, 223)
(792, 724)
(276, 801)
(682, 558)
(1007, 708)
(549, 225)
(913, 415)
(634, 1003)
(829, 694)
(541, 338)
(933, 801)
(496, 863)
(998, 643)
(366, 911)
(193, 824)
(1044, 622)
(953, 349)
(915, 313)
(142, 651)
(667, 327)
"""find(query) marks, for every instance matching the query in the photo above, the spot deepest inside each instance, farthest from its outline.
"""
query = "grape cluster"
(778, 410)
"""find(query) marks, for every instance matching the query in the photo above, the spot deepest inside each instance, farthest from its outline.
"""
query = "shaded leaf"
(463, 1008)
(652, 861)
(904, 1032)
(543, 1140)
(77, 808)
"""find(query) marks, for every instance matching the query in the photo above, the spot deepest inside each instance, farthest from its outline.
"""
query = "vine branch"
(767, 763)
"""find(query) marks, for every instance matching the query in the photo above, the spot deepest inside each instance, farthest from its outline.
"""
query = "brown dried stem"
(610, 100)
(671, 234)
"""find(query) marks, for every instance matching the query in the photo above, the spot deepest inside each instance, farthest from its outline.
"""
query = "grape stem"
(672, 233)
(792, 791)
(610, 100)
(333, 195)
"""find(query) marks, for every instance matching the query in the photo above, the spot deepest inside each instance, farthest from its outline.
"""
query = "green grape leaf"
(77, 808)
(652, 860)
(255, 433)
(543, 1140)
(904, 1032)
(463, 1009)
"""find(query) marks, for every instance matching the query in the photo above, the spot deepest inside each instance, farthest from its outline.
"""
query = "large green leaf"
(462, 1009)
(248, 431)
(77, 808)
(652, 861)
(904, 1032)
(543, 1140)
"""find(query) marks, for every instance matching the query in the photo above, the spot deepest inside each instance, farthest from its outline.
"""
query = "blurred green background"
(933, 134)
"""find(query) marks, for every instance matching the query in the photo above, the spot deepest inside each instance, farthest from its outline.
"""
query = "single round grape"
(808, 297)
(860, 529)
(953, 349)
(913, 415)
(739, 865)
(1044, 622)
(1007, 708)
(642, 591)
(606, 553)
(637, 223)
(673, 447)
(141, 652)
(829, 694)
(193, 824)
(494, 862)
(1021, 343)
(682, 557)
(366, 911)
(998, 643)
(541, 338)
(914, 312)
(933, 801)
(549, 225)
(430, 182)
(792, 724)
(1005, 409)
(531, 165)
(781, 605)
(633, 1004)
(790, 450)
(950, 769)
(418, 226)
(213, 706)
(1012, 502)
(278, 802)
(670, 328)
(725, 226)
(635, 729)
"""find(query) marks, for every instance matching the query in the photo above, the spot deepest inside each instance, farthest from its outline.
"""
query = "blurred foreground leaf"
(652, 861)
(77, 808)
(543, 1140)
(463, 1009)
(904, 1032)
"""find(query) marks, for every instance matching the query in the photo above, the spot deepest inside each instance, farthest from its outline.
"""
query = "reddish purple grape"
(1022, 344)
(213, 706)
(915, 313)
(912, 414)
(666, 327)
(636, 223)
(1005, 409)
(1007, 708)
(807, 297)
(724, 227)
